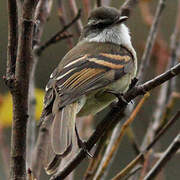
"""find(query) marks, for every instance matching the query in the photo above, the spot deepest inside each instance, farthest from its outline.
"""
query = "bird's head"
(104, 22)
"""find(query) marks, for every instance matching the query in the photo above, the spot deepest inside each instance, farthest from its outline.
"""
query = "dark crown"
(105, 16)
(104, 13)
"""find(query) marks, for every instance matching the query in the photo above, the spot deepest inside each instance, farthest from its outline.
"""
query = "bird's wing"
(88, 73)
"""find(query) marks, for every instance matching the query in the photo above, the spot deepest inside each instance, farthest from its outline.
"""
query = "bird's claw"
(82, 144)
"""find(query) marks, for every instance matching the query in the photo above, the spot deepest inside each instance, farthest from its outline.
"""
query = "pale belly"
(97, 101)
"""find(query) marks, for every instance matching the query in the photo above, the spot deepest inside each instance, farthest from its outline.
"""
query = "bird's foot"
(133, 83)
(120, 96)
(82, 144)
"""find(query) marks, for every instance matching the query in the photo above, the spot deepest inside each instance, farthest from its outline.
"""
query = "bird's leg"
(82, 144)
(120, 96)
(133, 83)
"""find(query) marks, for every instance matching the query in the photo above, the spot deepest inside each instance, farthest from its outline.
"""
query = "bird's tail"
(62, 136)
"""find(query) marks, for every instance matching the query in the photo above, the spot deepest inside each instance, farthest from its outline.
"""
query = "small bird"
(102, 64)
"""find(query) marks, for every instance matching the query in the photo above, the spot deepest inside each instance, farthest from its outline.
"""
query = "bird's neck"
(117, 35)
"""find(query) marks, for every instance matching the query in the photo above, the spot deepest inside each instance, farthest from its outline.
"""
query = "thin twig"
(134, 171)
(62, 20)
(169, 107)
(70, 10)
(86, 7)
(135, 161)
(132, 138)
(168, 154)
(12, 38)
(112, 140)
(59, 35)
(166, 89)
(4, 151)
(151, 39)
(114, 116)
(127, 7)
(94, 162)
(160, 49)
(114, 147)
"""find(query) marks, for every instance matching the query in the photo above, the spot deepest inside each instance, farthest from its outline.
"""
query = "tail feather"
(53, 165)
(63, 129)
(62, 137)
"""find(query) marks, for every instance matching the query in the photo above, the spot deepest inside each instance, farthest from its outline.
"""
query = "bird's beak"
(121, 19)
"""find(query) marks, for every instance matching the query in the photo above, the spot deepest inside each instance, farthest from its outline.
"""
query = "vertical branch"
(12, 38)
(78, 25)
(4, 151)
(126, 8)
(167, 88)
(71, 8)
(20, 92)
(86, 7)
(41, 15)
(63, 21)
(151, 39)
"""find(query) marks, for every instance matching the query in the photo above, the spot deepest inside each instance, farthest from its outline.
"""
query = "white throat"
(117, 34)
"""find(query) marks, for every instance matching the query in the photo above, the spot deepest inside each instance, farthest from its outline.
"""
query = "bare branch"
(86, 7)
(12, 38)
(135, 161)
(115, 145)
(166, 89)
(20, 92)
(151, 39)
(70, 10)
(126, 8)
(41, 15)
(168, 154)
(63, 20)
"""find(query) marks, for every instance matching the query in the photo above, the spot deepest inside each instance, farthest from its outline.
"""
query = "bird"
(102, 64)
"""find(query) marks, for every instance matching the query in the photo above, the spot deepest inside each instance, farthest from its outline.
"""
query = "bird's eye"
(99, 23)
(92, 22)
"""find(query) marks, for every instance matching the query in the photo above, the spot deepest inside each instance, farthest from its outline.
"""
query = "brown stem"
(20, 92)
(165, 91)
(12, 38)
(135, 161)
(168, 154)
(63, 21)
(126, 8)
(41, 15)
(151, 39)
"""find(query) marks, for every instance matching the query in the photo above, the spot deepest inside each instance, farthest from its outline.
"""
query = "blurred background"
(139, 24)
